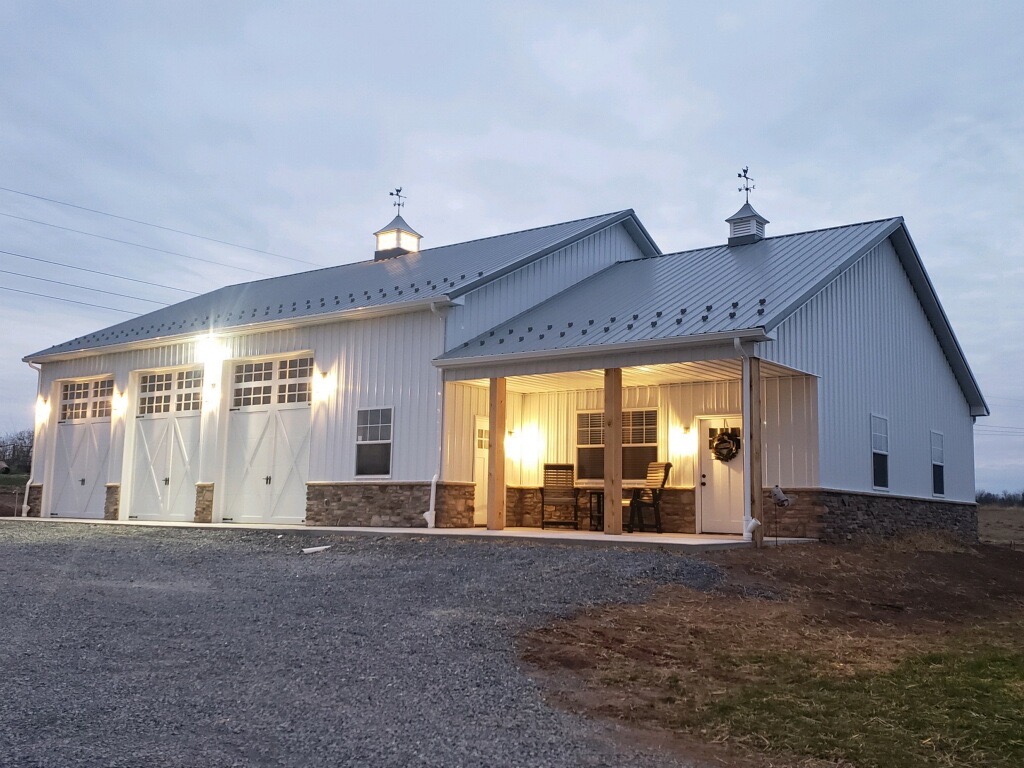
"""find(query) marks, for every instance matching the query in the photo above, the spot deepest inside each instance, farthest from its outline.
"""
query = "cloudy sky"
(283, 128)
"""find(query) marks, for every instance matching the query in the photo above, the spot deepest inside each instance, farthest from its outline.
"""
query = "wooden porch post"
(613, 450)
(752, 428)
(496, 457)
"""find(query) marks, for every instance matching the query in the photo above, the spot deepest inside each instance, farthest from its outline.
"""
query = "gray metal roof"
(447, 271)
(707, 291)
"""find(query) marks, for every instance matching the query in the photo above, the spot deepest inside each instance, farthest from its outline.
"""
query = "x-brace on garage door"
(267, 459)
(166, 446)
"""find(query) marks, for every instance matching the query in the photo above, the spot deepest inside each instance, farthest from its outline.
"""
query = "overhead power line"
(98, 272)
(83, 287)
(159, 226)
(137, 245)
(72, 301)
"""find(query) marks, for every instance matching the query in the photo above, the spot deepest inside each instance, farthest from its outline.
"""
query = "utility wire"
(83, 287)
(97, 272)
(58, 298)
(159, 226)
(137, 245)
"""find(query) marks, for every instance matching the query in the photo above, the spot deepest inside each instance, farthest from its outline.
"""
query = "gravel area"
(125, 646)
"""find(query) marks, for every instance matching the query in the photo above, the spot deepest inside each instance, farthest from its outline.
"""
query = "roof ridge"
(425, 250)
(777, 237)
(532, 229)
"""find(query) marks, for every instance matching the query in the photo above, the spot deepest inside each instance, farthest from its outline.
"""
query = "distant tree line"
(1004, 499)
(16, 450)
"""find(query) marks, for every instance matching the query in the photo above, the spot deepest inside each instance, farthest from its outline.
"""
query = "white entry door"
(720, 486)
(267, 461)
(166, 452)
(481, 447)
(79, 479)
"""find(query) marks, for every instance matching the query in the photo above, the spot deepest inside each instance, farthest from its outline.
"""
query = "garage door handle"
(266, 480)
(82, 481)
(167, 481)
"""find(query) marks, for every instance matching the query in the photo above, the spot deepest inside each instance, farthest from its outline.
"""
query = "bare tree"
(16, 450)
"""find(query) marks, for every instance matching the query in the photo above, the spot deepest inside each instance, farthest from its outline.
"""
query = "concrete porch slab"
(690, 541)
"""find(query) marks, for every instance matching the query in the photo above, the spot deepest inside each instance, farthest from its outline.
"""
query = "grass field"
(902, 654)
(1001, 525)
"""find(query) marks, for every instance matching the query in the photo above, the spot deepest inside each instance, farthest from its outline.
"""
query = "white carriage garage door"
(267, 462)
(82, 447)
(166, 450)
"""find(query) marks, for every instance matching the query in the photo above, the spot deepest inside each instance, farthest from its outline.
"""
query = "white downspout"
(748, 530)
(32, 469)
(431, 514)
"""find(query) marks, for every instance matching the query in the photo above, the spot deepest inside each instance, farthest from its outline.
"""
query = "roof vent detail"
(396, 239)
(746, 226)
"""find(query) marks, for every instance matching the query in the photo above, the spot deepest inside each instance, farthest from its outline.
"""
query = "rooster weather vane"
(400, 201)
(747, 187)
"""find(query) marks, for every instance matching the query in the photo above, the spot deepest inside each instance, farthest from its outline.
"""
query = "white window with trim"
(639, 443)
(374, 429)
(879, 452)
(938, 464)
(86, 400)
(260, 383)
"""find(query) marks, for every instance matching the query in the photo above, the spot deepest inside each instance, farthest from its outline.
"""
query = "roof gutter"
(700, 340)
(360, 313)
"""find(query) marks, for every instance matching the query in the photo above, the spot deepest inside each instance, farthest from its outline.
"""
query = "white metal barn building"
(371, 393)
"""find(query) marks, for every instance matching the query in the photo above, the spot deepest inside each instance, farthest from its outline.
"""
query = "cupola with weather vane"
(397, 238)
(746, 226)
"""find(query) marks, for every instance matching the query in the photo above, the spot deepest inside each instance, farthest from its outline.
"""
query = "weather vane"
(401, 198)
(747, 186)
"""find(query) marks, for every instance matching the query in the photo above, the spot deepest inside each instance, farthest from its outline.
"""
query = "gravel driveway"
(125, 646)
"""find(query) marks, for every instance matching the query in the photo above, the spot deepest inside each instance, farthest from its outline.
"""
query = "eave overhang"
(346, 315)
(749, 335)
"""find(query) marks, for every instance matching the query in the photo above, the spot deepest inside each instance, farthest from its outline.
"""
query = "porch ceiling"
(642, 375)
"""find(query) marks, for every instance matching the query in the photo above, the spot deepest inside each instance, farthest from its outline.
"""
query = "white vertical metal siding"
(514, 293)
(378, 362)
(866, 336)
(544, 424)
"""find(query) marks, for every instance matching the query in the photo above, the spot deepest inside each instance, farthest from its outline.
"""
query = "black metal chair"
(649, 497)
(559, 490)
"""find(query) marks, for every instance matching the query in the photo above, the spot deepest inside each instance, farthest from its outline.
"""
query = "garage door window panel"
(86, 400)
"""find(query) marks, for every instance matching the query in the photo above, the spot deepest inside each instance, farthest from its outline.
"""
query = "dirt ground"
(662, 665)
(12, 494)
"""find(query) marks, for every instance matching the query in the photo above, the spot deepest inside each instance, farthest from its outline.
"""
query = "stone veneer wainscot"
(389, 504)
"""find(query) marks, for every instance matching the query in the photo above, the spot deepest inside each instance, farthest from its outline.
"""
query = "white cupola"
(746, 226)
(396, 239)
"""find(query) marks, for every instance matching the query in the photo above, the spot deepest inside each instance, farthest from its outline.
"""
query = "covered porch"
(610, 423)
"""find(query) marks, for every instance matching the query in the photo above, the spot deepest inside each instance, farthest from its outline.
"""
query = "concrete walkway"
(692, 541)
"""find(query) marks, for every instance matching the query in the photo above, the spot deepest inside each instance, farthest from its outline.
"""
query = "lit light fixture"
(325, 384)
(524, 445)
(42, 410)
(210, 351)
(682, 441)
(119, 404)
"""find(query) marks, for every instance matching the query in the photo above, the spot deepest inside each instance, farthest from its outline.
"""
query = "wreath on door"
(726, 446)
